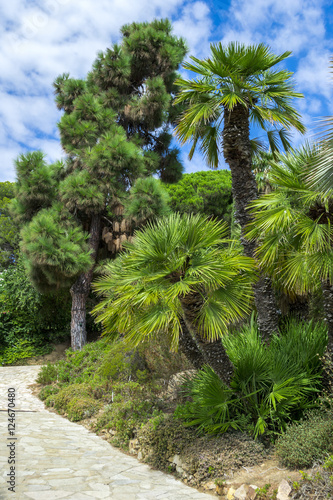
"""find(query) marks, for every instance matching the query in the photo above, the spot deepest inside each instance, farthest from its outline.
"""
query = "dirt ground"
(57, 354)
(268, 472)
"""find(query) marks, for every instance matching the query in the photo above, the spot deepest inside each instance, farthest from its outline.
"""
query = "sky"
(41, 39)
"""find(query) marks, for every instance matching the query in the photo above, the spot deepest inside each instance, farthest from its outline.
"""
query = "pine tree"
(114, 130)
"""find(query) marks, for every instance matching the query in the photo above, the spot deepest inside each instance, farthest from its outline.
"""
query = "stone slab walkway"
(56, 458)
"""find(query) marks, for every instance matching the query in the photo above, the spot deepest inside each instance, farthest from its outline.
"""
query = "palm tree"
(237, 86)
(179, 276)
(320, 170)
(293, 229)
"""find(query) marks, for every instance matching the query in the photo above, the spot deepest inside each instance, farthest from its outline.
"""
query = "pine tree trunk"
(237, 153)
(328, 308)
(81, 288)
(213, 353)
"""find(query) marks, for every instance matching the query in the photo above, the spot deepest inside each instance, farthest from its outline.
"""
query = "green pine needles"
(115, 131)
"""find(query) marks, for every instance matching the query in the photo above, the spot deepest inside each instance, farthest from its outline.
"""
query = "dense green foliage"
(272, 385)
(29, 321)
(292, 225)
(148, 200)
(208, 193)
(9, 232)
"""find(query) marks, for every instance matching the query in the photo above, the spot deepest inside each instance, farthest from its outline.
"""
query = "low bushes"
(131, 407)
(271, 387)
(164, 440)
(112, 377)
(309, 440)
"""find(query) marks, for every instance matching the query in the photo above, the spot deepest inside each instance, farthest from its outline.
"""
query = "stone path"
(56, 458)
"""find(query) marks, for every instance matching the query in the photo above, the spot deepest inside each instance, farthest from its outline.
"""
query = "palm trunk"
(328, 308)
(238, 154)
(267, 315)
(217, 358)
(189, 348)
(213, 353)
(81, 288)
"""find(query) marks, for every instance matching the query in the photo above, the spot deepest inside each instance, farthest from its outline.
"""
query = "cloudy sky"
(41, 39)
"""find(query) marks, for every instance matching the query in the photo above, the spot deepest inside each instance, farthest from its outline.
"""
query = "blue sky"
(43, 38)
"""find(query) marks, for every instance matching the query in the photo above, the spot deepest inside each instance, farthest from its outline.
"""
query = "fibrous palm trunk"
(237, 153)
(81, 288)
(212, 353)
(188, 346)
(327, 289)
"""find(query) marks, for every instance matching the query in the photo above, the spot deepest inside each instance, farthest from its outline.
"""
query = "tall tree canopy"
(238, 85)
(208, 193)
(114, 130)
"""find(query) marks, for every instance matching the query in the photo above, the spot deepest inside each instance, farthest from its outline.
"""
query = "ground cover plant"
(113, 380)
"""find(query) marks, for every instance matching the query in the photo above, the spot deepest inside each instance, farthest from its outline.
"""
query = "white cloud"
(43, 38)
(195, 24)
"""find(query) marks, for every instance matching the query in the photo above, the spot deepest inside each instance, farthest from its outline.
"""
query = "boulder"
(283, 490)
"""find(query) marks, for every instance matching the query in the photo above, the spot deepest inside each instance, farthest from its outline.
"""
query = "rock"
(241, 492)
(176, 381)
(178, 463)
(210, 485)
(244, 492)
(283, 491)
(230, 494)
(252, 492)
(133, 446)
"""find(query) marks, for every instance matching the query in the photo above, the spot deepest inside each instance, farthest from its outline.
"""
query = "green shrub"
(63, 398)
(122, 362)
(21, 349)
(163, 437)
(132, 406)
(47, 391)
(26, 314)
(49, 401)
(81, 407)
(307, 441)
(47, 374)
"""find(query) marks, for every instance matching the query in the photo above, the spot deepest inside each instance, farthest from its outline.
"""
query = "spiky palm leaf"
(320, 171)
(236, 75)
(174, 259)
(293, 225)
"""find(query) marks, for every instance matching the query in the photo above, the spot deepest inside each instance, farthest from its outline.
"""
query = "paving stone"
(59, 459)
